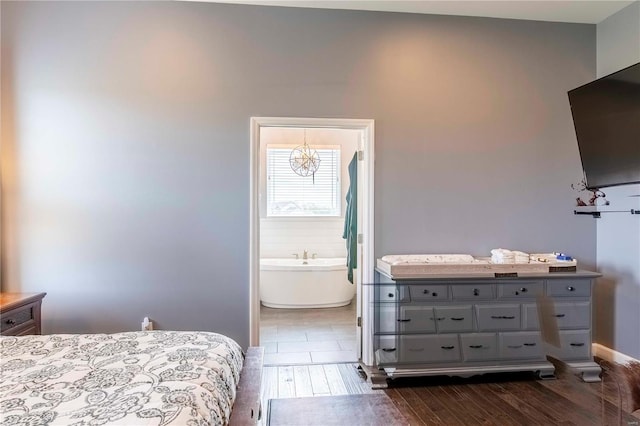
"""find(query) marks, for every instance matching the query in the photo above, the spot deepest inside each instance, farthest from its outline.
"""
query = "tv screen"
(606, 117)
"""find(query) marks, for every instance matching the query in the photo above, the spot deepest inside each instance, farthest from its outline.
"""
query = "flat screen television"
(606, 117)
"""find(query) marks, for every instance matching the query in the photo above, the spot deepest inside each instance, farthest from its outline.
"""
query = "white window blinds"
(289, 194)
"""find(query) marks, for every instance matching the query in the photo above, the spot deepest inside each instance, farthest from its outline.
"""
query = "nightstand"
(20, 313)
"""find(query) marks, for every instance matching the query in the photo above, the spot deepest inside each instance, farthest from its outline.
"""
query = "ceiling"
(578, 11)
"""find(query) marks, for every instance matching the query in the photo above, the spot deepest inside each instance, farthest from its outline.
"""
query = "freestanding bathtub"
(294, 284)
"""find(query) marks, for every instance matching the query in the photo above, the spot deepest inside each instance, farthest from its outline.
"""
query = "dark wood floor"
(497, 399)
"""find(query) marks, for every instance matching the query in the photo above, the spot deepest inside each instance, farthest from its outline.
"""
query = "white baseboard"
(610, 355)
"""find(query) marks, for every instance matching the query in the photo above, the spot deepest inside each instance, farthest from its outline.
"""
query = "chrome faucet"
(305, 255)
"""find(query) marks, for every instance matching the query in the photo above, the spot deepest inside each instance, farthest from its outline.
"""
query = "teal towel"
(351, 218)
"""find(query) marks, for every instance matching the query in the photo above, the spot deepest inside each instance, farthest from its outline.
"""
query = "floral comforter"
(136, 378)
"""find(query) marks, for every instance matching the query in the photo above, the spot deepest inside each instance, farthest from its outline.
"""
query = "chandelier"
(304, 160)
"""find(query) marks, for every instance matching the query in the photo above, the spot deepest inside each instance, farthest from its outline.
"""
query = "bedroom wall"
(125, 131)
(617, 295)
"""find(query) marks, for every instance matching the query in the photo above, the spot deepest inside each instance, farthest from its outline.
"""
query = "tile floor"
(308, 336)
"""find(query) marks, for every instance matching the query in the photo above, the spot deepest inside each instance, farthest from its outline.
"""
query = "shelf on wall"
(597, 213)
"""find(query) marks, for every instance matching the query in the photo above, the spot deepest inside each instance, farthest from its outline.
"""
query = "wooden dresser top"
(10, 301)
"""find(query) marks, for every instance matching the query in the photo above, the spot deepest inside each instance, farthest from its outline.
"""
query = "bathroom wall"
(125, 144)
(283, 236)
(617, 293)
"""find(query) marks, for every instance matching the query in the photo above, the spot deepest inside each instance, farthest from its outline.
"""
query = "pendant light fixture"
(304, 160)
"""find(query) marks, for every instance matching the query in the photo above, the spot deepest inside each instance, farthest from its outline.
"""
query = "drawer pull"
(559, 315)
(502, 317)
(11, 321)
(514, 346)
(571, 288)
(404, 320)
(447, 347)
(476, 292)
(529, 344)
(425, 291)
(390, 295)
(576, 344)
(475, 346)
(457, 319)
(388, 349)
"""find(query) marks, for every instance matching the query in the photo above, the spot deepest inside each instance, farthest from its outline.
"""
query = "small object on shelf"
(562, 256)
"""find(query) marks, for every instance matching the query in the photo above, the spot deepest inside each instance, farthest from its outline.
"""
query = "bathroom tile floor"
(308, 336)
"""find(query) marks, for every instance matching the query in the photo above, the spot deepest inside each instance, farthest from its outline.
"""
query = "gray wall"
(617, 301)
(126, 128)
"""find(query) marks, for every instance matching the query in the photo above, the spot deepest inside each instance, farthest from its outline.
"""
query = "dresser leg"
(379, 381)
(549, 374)
(589, 370)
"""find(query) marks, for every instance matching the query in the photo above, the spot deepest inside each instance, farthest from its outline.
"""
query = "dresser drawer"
(386, 350)
(569, 288)
(498, 317)
(16, 318)
(574, 344)
(566, 315)
(479, 346)
(416, 319)
(435, 348)
(386, 319)
(472, 291)
(520, 345)
(453, 318)
(392, 293)
(419, 293)
(520, 290)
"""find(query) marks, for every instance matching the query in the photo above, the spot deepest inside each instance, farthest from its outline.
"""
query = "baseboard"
(610, 355)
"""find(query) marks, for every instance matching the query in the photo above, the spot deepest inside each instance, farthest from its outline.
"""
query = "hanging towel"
(351, 218)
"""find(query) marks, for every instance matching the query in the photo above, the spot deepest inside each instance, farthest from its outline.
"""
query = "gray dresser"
(462, 325)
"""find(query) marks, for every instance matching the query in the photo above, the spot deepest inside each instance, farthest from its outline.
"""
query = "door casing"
(365, 223)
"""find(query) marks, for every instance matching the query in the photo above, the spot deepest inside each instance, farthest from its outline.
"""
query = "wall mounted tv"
(606, 117)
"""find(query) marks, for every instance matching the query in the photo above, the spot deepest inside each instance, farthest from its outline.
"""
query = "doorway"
(363, 129)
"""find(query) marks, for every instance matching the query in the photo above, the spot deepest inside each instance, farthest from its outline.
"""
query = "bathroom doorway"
(309, 311)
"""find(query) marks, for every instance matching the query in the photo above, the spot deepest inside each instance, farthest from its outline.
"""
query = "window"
(289, 194)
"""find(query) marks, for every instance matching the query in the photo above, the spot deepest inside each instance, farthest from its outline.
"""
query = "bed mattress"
(135, 378)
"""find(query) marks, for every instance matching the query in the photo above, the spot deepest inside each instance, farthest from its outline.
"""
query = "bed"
(134, 378)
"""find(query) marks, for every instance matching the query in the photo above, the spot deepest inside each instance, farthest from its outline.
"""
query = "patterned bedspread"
(136, 378)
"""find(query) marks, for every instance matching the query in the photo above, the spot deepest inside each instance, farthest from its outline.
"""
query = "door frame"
(365, 250)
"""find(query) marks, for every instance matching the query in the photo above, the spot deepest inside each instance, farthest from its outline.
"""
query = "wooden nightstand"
(20, 313)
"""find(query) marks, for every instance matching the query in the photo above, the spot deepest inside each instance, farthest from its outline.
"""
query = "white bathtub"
(293, 284)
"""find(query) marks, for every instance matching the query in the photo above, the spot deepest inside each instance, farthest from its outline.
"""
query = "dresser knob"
(570, 288)
(425, 291)
(434, 294)
(10, 321)
(476, 292)
(523, 289)
(390, 294)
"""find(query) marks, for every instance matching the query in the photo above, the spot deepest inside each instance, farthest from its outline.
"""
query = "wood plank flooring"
(492, 399)
(297, 342)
